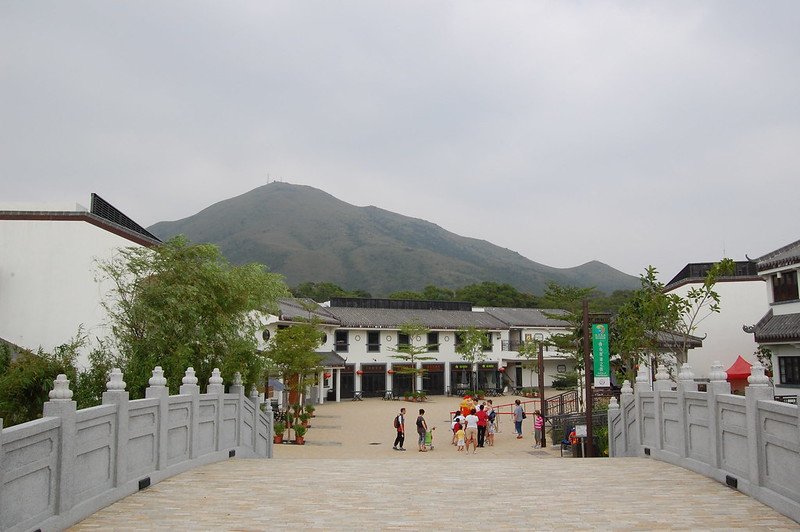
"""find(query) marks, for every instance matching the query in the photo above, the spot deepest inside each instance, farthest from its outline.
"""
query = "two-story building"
(779, 329)
(367, 333)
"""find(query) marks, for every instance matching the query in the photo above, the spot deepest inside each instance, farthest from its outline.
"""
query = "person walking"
(483, 421)
(471, 433)
(422, 428)
(538, 428)
(519, 415)
(400, 426)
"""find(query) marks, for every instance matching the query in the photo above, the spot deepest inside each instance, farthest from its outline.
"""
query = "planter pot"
(278, 438)
(299, 440)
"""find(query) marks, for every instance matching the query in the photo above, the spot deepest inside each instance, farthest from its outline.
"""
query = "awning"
(739, 370)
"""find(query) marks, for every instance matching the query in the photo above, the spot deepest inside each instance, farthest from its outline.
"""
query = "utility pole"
(588, 386)
(542, 400)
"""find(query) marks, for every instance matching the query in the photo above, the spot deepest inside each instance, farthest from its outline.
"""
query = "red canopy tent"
(738, 373)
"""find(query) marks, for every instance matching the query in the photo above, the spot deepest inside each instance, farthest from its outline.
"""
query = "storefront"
(347, 381)
(373, 380)
(460, 378)
(488, 376)
(402, 379)
(433, 379)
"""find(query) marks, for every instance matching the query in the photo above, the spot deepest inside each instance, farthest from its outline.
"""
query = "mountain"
(309, 235)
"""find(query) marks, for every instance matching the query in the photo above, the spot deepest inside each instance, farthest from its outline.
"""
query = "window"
(373, 341)
(789, 368)
(265, 335)
(433, 342)
(402, 339)
(488, 344)
(342, 344)
(784, 288)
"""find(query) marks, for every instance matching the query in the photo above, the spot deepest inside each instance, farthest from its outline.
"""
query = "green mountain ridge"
(308, 235)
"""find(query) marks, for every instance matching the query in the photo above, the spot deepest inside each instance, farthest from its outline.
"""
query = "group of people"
(476, 427)
(400, 427)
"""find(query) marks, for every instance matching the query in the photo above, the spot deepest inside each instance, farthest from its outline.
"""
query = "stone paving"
(347, 476)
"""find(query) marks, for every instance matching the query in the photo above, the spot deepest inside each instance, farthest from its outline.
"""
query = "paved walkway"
(347, 476)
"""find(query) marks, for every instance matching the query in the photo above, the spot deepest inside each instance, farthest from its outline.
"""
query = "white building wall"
(741, 303)
(48, 285)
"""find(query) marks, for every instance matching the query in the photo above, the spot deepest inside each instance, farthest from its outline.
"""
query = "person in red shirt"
(483, 421)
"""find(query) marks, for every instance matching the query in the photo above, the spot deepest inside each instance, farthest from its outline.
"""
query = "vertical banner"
(602, 374)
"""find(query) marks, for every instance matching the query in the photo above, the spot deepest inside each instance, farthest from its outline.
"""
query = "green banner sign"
(602, 373)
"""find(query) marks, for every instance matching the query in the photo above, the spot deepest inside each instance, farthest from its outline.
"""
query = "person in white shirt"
(471, 433)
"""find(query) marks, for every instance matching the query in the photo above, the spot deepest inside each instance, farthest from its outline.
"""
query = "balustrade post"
(642, 385)
(256, 400)
(157, 389)
(115, 394)
(626, 398)
(613, 415)
(216, 386)
(686, 383)
(190, 387)
(663, 383)
(758, 389)
(271, 424)
(62, 406)
(237, 388)
(718, 385)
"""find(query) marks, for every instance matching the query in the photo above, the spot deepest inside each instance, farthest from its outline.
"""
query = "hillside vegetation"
(309, 235)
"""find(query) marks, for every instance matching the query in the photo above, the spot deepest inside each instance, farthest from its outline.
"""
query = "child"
(460, 438)
(490, 435)
(538, 428)
(456, 427)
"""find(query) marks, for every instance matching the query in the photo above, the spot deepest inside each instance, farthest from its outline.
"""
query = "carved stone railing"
(57, 470)
(750, 443)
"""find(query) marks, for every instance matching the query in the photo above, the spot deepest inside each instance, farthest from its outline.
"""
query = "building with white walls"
(49, 282)
(779, 329)
(366, 333)
(741, 302)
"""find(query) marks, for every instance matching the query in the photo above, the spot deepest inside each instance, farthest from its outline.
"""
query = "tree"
(699, 303)
(324, 291)
(530, 352)
(472, 345)
(411, 354)
(491, 294)
(292, 355)
(179, 305)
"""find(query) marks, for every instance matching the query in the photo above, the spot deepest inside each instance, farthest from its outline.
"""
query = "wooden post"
(586, 365)
(542, 401)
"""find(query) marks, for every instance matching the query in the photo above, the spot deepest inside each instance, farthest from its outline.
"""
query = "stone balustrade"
(57, 470)
(751, 443)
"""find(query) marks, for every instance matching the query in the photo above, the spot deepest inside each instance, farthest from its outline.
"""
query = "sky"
(633, 133)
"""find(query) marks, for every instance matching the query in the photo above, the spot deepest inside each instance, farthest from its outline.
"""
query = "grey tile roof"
(298, 308)
(528, 317)
(332, 359)
(785, 256)
(432, 319)
(782, 328)
(668, 340)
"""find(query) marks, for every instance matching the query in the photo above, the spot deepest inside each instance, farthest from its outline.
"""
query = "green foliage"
(324, 291)
(473, 345)
(764, 356)
(300, 430)
(567, 381)
(405, 294)
(180, 305)
(411, 353)
(279, 428)
(5, 357)
(292, 355)
(491, 294)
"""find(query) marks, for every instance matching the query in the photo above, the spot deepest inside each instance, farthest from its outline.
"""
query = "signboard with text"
(602, 373)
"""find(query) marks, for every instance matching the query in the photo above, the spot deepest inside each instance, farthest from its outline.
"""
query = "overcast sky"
(632, 133)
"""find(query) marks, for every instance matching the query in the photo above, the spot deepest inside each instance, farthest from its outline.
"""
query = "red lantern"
(327, 375)
(502, 370)
(359, 372)
(390, 372)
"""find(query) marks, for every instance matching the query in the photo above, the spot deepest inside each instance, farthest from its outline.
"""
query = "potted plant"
(310, 410)
(299, 434)
(407, 396)
(280, 428)
(421, 396)
(304, 419)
